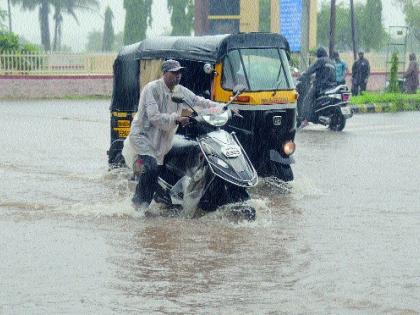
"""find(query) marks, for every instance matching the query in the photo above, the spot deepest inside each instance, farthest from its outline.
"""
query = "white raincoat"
(154, 125)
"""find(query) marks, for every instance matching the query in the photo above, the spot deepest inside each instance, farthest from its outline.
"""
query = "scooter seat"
(337, 89)
(184, 146)
(183, 154)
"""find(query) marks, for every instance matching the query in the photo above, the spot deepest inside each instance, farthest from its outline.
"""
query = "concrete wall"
(54, 86)
(376, 81)
(62, 86)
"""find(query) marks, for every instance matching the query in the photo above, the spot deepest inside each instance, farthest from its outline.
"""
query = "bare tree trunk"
(304, 39)
(58, 18)
(332, 28)
(44, 11)
(353, 30)
(9, 12)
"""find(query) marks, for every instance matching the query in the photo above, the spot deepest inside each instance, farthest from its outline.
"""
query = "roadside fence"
(42, 63)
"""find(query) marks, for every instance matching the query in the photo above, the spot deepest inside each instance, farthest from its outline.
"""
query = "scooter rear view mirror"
(238, 89)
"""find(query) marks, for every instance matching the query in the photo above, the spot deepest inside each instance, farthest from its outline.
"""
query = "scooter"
(331, 107)
(207, 167)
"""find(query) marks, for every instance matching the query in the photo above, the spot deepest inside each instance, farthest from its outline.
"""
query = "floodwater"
(343, 238)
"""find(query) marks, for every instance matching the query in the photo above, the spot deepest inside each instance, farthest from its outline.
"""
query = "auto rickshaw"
(214, 65)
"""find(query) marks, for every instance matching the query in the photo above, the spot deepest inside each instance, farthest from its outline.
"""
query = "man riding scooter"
(154, 127)
(325, 73)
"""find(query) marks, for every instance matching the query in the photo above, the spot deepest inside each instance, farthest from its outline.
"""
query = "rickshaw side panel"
(125, 96)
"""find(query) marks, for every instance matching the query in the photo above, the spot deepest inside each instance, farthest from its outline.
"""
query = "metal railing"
(41, 63)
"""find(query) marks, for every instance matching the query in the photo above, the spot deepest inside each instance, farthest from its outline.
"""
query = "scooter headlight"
(217, 120)
(289, 147)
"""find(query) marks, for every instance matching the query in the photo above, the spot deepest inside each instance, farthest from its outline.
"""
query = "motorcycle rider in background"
(325, 77)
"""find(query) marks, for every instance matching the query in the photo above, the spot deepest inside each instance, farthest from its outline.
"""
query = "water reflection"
(174, 264)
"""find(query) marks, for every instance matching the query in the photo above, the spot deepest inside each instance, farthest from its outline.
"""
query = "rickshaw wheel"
(281, 171)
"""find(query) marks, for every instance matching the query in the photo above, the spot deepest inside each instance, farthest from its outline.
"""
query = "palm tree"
(9, 13)
(44, 10)
(69, 7)
(60, 7)
(3, 15)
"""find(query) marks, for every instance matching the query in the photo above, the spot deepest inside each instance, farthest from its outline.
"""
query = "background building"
(226, 16)
(295, 19)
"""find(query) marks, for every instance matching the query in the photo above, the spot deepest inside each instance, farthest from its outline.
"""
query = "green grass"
(390, 102)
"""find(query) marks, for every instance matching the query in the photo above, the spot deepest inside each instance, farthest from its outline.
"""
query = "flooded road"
(343, 238)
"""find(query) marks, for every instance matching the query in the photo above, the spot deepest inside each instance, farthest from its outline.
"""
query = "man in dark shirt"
(360, 74)
(412, 75)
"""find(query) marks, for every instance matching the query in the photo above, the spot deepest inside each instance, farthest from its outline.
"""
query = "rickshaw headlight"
(289, 147)
(208, 68)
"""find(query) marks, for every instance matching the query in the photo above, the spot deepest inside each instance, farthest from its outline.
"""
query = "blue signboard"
(290, 22)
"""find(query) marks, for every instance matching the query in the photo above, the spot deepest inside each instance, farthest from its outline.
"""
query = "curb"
(368, 108)
(384, 107)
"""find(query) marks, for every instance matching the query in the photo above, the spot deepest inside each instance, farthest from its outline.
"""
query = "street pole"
(10, 15)
(304, 41)
(332, 28)
(353, 30)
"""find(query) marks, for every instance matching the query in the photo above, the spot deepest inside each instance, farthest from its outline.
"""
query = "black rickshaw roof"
(209, 48)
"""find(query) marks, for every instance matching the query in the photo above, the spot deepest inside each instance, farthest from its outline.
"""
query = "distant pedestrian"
(412, 75)
(360, 74)
(341, 69)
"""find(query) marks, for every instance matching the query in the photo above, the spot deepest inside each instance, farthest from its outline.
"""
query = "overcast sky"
(26, 23)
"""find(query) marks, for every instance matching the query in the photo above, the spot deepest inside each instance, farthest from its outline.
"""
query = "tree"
(265, 15)
(94, 41)
(44, 10)
(393, 80)
(138, 18)
(11, 42)
(9, 14)
(69, 7)
(118, 41)
(369, 28)
(411, 10)
(182, 16)
(3, 15)
(343, 26)
(333, 16)
(108, 34)
(371, 32)
(8, 41)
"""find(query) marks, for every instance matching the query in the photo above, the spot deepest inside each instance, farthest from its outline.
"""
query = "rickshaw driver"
(154, 126)
(234, 73)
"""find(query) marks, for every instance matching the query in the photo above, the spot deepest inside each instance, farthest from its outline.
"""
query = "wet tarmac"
(342, 238)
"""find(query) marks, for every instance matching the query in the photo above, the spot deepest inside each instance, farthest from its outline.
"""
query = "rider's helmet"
(321, 52)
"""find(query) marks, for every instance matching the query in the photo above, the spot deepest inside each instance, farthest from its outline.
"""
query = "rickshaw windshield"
(257, 69)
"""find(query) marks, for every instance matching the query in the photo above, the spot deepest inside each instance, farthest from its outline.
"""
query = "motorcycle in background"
(331, 106)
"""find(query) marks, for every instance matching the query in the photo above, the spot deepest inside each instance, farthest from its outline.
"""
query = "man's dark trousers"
(147, 184)
(358, 87)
